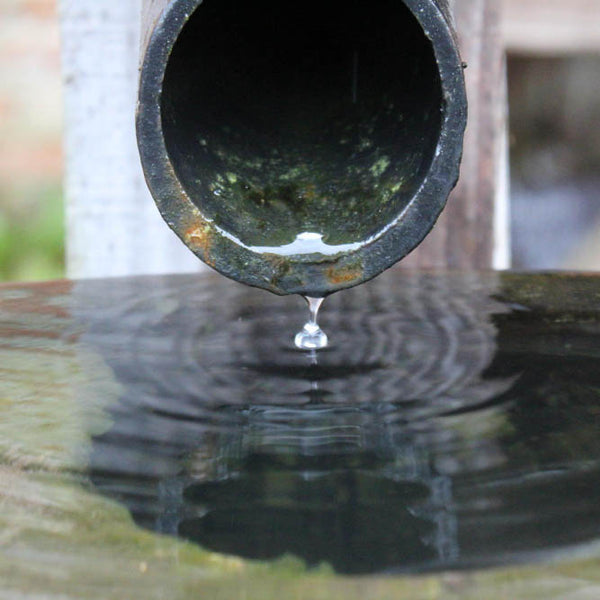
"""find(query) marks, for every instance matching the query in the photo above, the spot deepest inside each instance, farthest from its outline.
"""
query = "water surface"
(451, 424)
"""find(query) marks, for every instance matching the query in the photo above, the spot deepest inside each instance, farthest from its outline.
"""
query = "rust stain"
(199, 238)
(281, 265)
(342, 275)
(280, 268)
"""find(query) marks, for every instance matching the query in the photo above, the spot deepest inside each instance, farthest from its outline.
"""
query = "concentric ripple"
(450, 423)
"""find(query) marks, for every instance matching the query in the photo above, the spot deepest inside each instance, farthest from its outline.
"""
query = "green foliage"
(32, 234)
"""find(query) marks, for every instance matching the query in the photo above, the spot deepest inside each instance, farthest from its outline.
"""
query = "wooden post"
(473, 230)
(113, 226)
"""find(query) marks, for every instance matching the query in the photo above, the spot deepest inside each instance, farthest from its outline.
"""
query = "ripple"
(442, 428)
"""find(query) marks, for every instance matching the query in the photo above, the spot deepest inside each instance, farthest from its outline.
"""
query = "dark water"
(453, 421)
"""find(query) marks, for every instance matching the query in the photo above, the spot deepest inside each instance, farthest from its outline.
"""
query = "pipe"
(300, 147)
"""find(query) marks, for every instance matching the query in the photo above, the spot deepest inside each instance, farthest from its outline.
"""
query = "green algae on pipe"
(262, 124)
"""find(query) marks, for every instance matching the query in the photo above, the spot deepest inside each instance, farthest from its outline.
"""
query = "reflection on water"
(327, 484)
(451, 423)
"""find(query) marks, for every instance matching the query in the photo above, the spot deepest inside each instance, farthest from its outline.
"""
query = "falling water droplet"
(312, 337)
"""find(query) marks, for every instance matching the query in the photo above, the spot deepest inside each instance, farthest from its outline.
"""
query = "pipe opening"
(320, 117)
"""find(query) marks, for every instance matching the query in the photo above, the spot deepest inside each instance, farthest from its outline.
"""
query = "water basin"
(165, 434)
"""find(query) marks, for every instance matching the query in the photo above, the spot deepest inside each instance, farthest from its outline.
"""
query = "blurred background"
(553, 51)
(31, 159)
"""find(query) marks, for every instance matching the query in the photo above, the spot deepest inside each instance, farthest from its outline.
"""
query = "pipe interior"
(316, 117)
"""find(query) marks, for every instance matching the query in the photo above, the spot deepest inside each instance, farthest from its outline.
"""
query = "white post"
(113, 226)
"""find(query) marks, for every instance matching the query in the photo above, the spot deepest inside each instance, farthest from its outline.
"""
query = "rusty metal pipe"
(301, 148)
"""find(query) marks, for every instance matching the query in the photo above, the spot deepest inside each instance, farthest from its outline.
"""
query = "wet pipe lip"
(314, 275)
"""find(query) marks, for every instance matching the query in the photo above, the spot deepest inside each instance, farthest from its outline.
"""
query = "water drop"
(312, 337)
